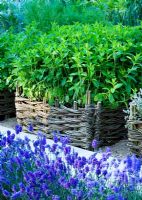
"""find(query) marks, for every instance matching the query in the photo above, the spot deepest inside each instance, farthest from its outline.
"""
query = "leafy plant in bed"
(7, 105)
(69, 60)
(6, 40)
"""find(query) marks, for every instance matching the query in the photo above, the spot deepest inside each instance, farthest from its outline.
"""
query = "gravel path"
(119, 150)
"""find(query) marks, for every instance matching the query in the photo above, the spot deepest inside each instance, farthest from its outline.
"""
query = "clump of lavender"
(36, 170)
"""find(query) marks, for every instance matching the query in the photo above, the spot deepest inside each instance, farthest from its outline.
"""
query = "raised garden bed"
(110, 125)
(7, 105)
(135, 136)
(82, 125)
(77, 123)
(134, 124)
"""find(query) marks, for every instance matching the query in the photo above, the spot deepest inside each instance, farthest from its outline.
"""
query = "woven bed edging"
(75, 123)
(135, 136)
(134, 124)
(7, 104)
(109, 125)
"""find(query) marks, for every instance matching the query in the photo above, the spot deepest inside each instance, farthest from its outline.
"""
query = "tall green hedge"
(71, 59)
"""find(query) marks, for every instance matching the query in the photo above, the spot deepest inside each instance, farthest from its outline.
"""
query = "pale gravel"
(119, 150)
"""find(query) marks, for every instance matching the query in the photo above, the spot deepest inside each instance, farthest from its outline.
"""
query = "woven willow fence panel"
(134, 125)
(77, 123)
(7, 104)
(135, 137)
(109, 125)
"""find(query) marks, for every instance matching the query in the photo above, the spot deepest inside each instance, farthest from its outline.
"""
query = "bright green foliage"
(6, 40)
(71, 59)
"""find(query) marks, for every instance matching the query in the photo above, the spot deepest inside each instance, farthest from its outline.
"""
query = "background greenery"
(45, 12)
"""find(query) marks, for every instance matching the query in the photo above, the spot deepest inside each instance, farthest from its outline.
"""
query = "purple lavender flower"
(108, 150)
(67, 150)
(94, 144)
(87, 169)
(43, 140)
(48, 192)
(30, 128)
(98, 172)
(3, 142)
(38, 163)
(18, 129)
(92, 183)
(120, 197)
(69, 198)
(36, 143)
(12, 136)
(5, 193)
(16, 195)
(73, 182)
(27, 140)
(26, 154)
(14, 188)
(55, 138)
(111, 197)
(56, 197)
(64, 140)
(54, 147)
(22, 187)
(104, 172)
(44, 186)
(8, 133)
(116, 189)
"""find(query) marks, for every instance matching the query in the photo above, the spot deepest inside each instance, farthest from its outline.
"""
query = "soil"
(119, 150)
(9, 123)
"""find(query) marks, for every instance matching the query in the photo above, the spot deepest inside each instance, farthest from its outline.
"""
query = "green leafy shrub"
(6, 40)
(72, 59)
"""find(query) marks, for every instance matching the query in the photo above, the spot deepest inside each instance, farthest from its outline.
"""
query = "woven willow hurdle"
(109, 125)
(7, 104)
(134, 125)
(77, 123)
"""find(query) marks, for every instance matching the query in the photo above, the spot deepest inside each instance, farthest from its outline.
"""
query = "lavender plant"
(36, 170)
